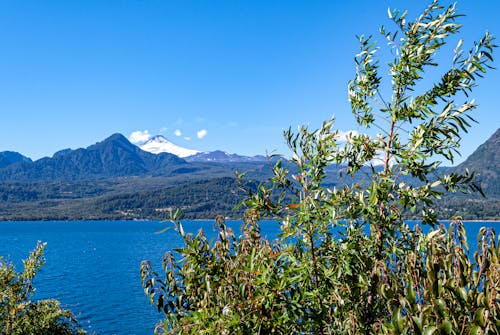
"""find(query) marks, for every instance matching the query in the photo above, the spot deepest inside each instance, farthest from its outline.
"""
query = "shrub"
(21, 316)
(345, 261)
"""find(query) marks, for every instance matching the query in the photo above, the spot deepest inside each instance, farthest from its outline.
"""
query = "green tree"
(21, 316)
(345, 261)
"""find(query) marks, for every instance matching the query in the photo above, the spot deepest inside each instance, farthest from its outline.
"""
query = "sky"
(222, 74)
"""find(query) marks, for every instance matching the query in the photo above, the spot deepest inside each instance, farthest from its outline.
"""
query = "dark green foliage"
(345, 261)
(119, 199)
(469, 207)
(105, 199)
(92, 199)
(14, 192)
(198, 199)
(19, 315)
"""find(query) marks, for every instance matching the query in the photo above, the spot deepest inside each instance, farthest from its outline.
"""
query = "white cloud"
(187, 138)
(201, 133)
(139, 136)
(163, 129)
(177, 132)
(342, 135)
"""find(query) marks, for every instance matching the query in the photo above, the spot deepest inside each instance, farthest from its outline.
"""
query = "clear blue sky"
(74, 72)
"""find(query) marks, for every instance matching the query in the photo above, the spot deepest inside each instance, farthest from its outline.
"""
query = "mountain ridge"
(223, 157)
(485, 161)
(159, 144)
(113, 179)
(11, 157)
(115, 156)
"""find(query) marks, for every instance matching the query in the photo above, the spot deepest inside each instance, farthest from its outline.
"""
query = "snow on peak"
(159, 144)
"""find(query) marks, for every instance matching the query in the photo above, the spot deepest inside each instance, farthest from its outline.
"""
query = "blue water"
(92, 267)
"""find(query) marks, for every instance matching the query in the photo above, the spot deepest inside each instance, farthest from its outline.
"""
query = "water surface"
(92, 267)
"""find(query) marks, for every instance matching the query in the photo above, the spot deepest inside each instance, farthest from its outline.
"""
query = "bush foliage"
(21, 316)
(345, 261)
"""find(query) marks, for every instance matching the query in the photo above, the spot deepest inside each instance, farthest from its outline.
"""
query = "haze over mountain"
(223, 157)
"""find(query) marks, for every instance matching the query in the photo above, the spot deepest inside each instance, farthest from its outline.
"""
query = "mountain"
(11, 157)
(115, 179)
(485, 161)
(113, 157)
(159, 144)
(223, 157)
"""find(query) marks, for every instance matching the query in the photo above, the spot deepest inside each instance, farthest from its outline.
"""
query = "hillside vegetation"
(205, 190)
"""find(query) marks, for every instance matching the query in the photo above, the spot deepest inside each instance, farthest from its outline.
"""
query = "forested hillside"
(141, 185)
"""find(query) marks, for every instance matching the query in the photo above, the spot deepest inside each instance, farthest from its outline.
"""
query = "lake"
(92, 267)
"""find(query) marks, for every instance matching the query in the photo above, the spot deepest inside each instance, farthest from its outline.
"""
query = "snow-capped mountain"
(159, 144)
